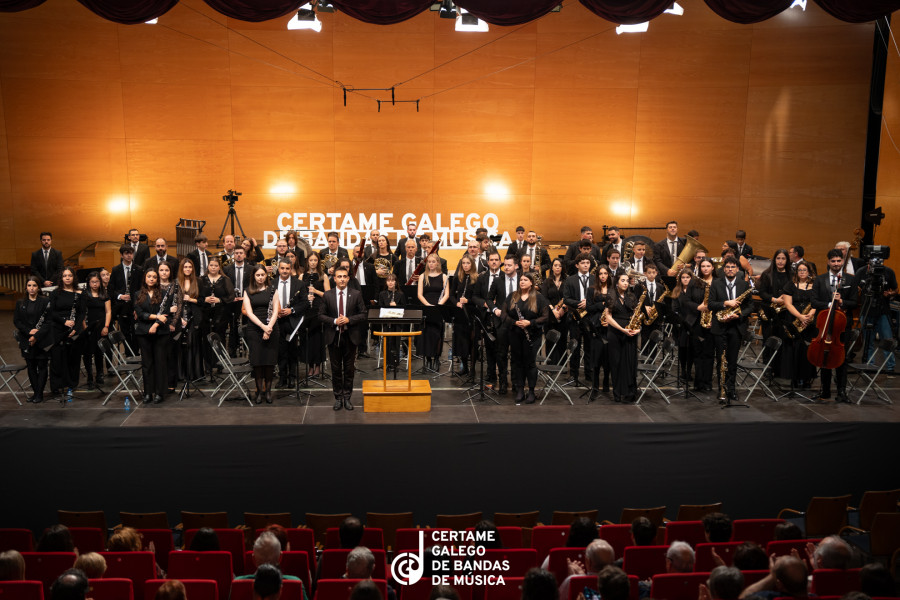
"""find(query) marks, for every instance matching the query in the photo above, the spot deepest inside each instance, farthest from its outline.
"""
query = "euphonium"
(727, 313)
(638, 316)
(706, 316)
(329, 261)
(382, 264)
(654, 313)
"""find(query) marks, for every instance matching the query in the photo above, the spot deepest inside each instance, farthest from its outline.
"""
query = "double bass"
(827, 350)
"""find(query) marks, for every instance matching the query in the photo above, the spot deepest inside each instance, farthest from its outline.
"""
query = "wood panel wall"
(888, 191)
(718, 125)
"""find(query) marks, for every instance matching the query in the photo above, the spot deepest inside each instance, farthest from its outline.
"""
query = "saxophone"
(799, 325)
(706, 317)
(727, 313)
(654, 313)
(638, 316)
(723, 373)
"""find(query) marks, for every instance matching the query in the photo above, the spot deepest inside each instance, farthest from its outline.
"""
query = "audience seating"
(525, 519)
(510, 590)
(752, 576)
(761, 531)
(339, 589)
(154, 520)
(874, 502)
(262, 520)
(691, 532)
(656, 515)
(242, 589)
(214, 565)
(546, 537)
(645, 561)
(16, 539)
(562, 517)
(408, 539)
(320, 523)
(520, 560)
(458, 522)
(163, 543)
(784, 547)
(334, 563)
(618, 536)
(199, 520)
(293, 562)
(195, 589)
(884, 535)
(703, 559)
(696, 512)
(111, 588)
(558, 564)
(578, 583)
(47, 566)
(372, 538)
(301, 539)
(510, 537)
(677, 586)
(421, 590)
(824, 515)
(94, 518)
(22, 590)
(389, 523)
(834, 582)
(136, 566)
(230, 540)
(87, 539)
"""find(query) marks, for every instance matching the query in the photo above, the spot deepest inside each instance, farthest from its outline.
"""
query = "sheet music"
(391, 313)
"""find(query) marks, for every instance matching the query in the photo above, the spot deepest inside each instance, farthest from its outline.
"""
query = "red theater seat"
(421, 590)
(510, 590)
(339, 589)
(618, 536)
(546, 537)
(242, 589)
(520, 560)
(230, 540)
(292, 563)
(87, 539)
(162, 544)
(510, 536)
(194, 589)
(691, 532)
(677, 586)
(21, 590)
(47, 566)
(784, 547)
(761, 531)
(703, 560)
(559, 558)
(136, 566)
(334, 564)
(215, 565)
(115, 588)
(835, 582)
(645, 561)
(16, 539)
(408, 539)
(372, 538)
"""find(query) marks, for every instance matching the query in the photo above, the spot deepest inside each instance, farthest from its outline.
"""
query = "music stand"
(679, 326)
(482, 391)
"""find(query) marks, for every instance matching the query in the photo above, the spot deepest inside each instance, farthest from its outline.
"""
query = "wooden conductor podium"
(412, 395)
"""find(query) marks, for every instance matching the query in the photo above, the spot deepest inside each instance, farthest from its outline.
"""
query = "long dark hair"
(146, 291)
(59, 279)
(769, 273)
(101, 291)
(562, 272)
(676, 291)
(531, 303)
(253, 287)
(609, 276)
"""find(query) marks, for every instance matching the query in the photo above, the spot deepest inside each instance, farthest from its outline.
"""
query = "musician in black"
(386, 259)
(614, 243)
(462, 289)
(576, 291)
(411, 228)
(621, 306)
(333, 253)
(190, 316)
(67, 315)
(551, 289)
(151, 306)
(168, 287)
(743, 248)
(481, 304)
(252, 252)
(771, 289)
(240, 272)
(32, 322)
(405, 268)
(504, 287)
(540, 258)
(598, 300)
(703, 339)
(655, 291)
(575, 249)
(200, 255)
(525, 313)
(162, 255)
(98, 315)
(293, 302)
(124, 282)
(666, 251)
(216, 294)
(473, 251)
(517, 245)
(262, 304)
(293, 245)
(684, 309)
(141, 251)
(433, 290)
(426, 245)
(797, 295)
(391, 297)
(317, 283)
(726, 294)
(47, 262)
(834, 284)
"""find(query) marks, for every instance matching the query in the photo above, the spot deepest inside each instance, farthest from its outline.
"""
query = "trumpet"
(632, 273)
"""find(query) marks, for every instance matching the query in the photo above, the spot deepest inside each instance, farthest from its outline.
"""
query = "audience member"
(361, 565)
(71, 585)
(643, 532)
(831, 553)
(582, 531)
(876, 581)
(281, 533)
(787, 577)
(267, 583)
(350, 533)
(124, 539)
(750, 556)
(679, 558)
(788, 531)
(539, 584)
(717, 527)
(613, 584)
(724, 583)
(267, 551)
(205, 540)
(488, 526)
(597, 555)
(171, 590)
(12, 566)
(92, 563)
(443, 592)
(366, 590)
(57, 538)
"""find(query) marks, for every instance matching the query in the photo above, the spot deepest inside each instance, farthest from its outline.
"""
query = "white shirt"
(639, 265)
(510, 285)
(283, 289)
(239, 279)
(730, 283)
(584, 281)
(651, 290)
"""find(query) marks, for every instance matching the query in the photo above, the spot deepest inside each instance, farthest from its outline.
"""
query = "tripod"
(479, 391)
(231, 197)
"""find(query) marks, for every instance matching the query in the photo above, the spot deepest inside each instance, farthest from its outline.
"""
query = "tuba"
(627, 251)
(686, 257)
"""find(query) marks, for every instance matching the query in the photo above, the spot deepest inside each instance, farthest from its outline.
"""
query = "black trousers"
(235, 321)
(584, 346)
(728, 346)
(154, 362)
(124, 314)
(600, 359)
(343, 365)
(91, 350)
(522, 357)
(705, 350)
(287, 353)
(37, 375)
(65, 365)
(623, 364)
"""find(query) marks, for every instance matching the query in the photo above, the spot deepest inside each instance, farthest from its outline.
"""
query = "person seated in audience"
(875, 580)
(361, 565)
(350, 535)
(57, 538)
(267, 583)
(539, 584)
(612, 584)
(281, 533)
(205, 540)
(788, 531)
(92, 563)
(597, 555)
(171, 590)
(679, 558)
(643, 532)
(485, 526)
(581, 533)
(443, 592)
(366, 590)
(750, 556)
(71, 585)
(267, 551)
(724, 583)
(831, 553)
(12, 566)
(717, 527)
(124, 539)
(787, 577)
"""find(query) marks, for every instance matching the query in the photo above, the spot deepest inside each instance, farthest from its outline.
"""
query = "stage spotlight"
(323, 6)
(636, 28)
(799, 3)
(448, 10)
(675, 9)
(151, 22)
(466, 21)
(305, 19)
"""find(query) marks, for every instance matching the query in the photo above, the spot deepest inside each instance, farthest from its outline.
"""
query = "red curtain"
(627, 12)
(742, 11)
(382, 12)
(509, 12)
(129, 13)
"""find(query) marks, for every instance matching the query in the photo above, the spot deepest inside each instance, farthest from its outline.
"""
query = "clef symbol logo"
(407, 568)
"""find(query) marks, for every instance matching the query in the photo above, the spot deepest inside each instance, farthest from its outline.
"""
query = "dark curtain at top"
(129, 13)
(508, 12)
(382, 12)
(859, 11)
(742, 11)
(255, 10)
(19, 5)
(627, 12)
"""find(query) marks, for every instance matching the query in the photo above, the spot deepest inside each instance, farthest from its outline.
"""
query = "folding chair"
(88, 518)
(88, 539)
(657, 515)
(230, 540)
(651, 347)
(116, 337)
(565, 517)
(558, 563)
(872, 369)
(551, 338)
(824, 515)
(525, 519)
(651, 370)
(551, 373)
(320, 523)
(155, 520)
(124, 371)
(136, 566)
(458, 522)
(262, 520)
(644, 561)
(758, 368)
(8, 373)
(236, 374)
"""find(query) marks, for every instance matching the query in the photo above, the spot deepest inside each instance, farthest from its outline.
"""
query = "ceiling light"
(305, 19)
(466, 21)
(799, 3)
(675, 9)
(636, 28)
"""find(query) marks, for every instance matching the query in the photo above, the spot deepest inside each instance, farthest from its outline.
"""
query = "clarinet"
(521, 318)
(24, 343)
(271, 304)
(69, 337)
(162, 305)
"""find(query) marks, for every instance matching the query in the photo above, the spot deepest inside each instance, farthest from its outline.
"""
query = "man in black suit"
(334, 250)
(46, 263)
(343, 315)
(162, 256)
(576, 290)
(824, 288)
(481, 295)
(516, 246)
(666, 251)
(125, 281)
(500, 292)
(371, 246)
(729, 333)
(199, 255)
(294, 299)
(614, 243)
(743, 248)
(473, 250)
(406, 266)
(796, 253)
(141, 251)
(639, 260)
(400, 250)
(239, 272)
(575, 248)
(540, 258)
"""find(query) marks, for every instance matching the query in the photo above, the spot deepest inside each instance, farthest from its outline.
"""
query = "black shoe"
(100, 379)
(842, 397)
(347, 403)
(211, 379)
(282, 383)
(529, 397)
(363, 354)
(268, 396)
(503, 388)
(338, 404)
(89, 385)
(157, 399)
(520, 396)
(257, 398)
(148, 399)
(824, 394)
(37, 399)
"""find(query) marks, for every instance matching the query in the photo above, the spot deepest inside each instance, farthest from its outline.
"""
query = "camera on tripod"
(231, 197)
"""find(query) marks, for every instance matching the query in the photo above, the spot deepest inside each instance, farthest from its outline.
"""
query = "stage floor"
(448, 407)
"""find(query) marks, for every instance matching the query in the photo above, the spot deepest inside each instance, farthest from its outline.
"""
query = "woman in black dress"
(315, 340)
(526, 312)
(551, 289)
(67, 316)
(462, 284)
(188, 316)
(798, 295)
(98, 316)
(391, 297)
(702, 340)
(152, 334)
(31, 319)
(684, 307)
(770, 288)
(597, 301)
(622, 341)
(173, 354)
(216, 292)
(433, 291)
(261, 304)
